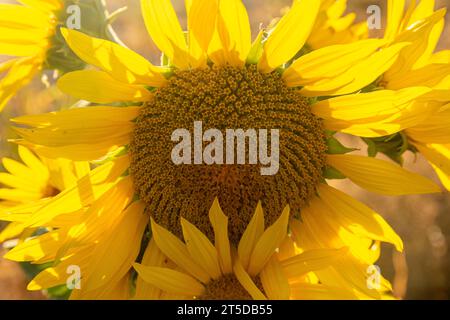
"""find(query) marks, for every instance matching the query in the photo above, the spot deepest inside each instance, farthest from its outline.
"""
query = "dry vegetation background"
(423, 222)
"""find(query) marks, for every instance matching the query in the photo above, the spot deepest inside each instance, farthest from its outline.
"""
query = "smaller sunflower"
(25, 32)
(420, 65)
(29, 32)
(197, 269)
(31, 184)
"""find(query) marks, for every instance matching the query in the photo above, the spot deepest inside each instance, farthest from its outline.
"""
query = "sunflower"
(198, 269)
(30, 33)
(26, 31)
(86, 222)
(31, 184)
(420, 65)
(215, 74)
(430, 137)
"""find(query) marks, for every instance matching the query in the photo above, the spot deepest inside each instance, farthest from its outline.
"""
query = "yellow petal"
(88, 189)
(202, 17)
(308, 291)
(432, 76)
(36, 249)
(251, 236)
(119, 62)
(47, 5)
(57, 275)
(329, 62)
(358, 76)
(372, 106)
(311, 260)
(232, 42)
(434, 130)
(357, 217)
(170, 280)
(176, 251)
(201, 249)
(289, 35)
(99, 87)
(246, 281)
(270, 240)
(12, 230)
(79, 126)
(394, 18)
(381, 176)
(163, 26)
(77, 152)
(439, 157)
(219, 223)
(19, 75)
(274, 281)
(33, 162)
(113, 257)
(153, 257)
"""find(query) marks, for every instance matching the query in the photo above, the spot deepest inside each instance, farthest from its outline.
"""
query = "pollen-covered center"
(225, 98)
(226, 287)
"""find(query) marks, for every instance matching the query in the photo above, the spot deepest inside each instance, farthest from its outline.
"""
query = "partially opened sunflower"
(29, 33)
(31, 184)
(422, 67)
(215, 74)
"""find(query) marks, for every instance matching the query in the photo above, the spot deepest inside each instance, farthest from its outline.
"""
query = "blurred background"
(423, 222)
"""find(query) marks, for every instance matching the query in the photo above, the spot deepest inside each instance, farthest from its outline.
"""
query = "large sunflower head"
(216, 76)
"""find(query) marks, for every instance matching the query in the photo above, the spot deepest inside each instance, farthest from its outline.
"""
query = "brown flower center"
(225, 98)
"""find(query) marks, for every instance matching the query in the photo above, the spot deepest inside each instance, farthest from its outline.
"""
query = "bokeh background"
(423, 222)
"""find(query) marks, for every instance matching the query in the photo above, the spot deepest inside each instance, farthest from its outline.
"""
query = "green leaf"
(336, 147)
(257, 49)
(331, 173)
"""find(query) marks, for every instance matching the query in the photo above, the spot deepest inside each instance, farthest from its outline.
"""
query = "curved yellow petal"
(308, 291)
(153, 257)
(434, 130)
(79, 126)
(372, 106)
(274, 281)
(270, 240)
(246, 281)
(176, 251)
(170, 280)
(329, 62)
(219, 223)
(119, 62)
(310, 260)
(47, 5)
(289, 35)
(12, 230)
(114, 256)
(100, 87)
(19, 75)
(164, 28)
(201, 249)
(252, 234)
(439, 157)
(87, 190)
(33, 162)
(231, 43)
(357, 217)
(358, 76)
(394, 18)
(381, 176)
(78, 152)
(202, 17)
